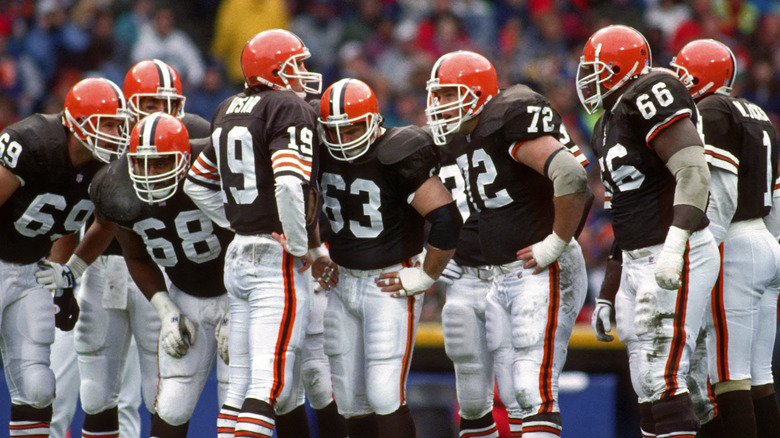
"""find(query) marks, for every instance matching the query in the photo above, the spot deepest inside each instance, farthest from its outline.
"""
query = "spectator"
(321, 30)
(54, 41)
(161, 40)
(204, 100)
(239, 20)
(129, 24)
(667, 15)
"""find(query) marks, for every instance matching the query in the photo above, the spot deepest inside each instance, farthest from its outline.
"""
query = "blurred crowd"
(46, 46)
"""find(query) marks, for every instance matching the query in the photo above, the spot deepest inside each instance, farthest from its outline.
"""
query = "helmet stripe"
(437, 66)
(119, 94)
(336, 99)
(163, 70)
(148, 128)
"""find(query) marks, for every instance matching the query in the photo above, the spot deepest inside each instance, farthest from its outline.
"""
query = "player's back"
(249, 133)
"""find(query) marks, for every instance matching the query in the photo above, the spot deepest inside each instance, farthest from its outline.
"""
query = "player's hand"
(307, 261)
(66, 309)
(54, 275)
(325, 272)
(600, 320)
(221, 332)
(542, 254)
(669, 264)
(451, 272)
(177, 332)
(404, 283)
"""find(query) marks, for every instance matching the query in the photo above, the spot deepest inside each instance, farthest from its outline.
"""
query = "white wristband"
(548, 250)
(77, 266)
(320, 251)
(163, 304)
(414, 280)
(675, 241)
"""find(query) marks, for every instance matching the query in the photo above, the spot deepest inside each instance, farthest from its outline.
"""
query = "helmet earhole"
(616, 69)
(695, 81)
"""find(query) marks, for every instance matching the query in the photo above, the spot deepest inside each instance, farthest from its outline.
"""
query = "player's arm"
(601, 319)
(434, 202)
(292, 171)
(550, 158)
(149, 278)
(680, 147)
(54, 275)
(723, 201)
(8, 184)
(204, 188)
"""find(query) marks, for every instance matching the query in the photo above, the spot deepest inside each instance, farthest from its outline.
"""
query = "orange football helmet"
(271, 58)
(154, 79)
(706, 66)
(611, 57)
(88, 104)
(345, 103)
(156, 137)
(476, 82)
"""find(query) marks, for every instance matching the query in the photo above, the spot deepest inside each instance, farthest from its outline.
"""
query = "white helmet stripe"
(337, 93)
(119, 94)
(165, 74)
(147, 130)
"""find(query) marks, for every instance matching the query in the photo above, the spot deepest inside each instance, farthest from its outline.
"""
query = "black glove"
(66, 309)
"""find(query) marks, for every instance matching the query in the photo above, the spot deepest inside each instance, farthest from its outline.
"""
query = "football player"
(518, 170)
(159, 225)
(46, 165)
(468, 278)
(741, 148)
(379, 186)
(264, 149)
(107, 294)
(656, 178)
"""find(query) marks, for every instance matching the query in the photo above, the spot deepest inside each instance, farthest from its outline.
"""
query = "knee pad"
(315, 373)
(461, 333)
(37, 388)
(674, 414)
(176, 400)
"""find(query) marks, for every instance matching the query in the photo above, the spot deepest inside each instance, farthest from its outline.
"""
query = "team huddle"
(290, 242)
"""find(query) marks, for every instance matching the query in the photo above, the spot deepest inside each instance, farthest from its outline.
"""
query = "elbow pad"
(689, 167)
(446, 222)
(292, 215)
(566, 173)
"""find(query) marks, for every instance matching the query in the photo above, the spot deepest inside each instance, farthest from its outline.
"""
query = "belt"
(639, 253)
(376, 272)
(484, 273)
(509, 268)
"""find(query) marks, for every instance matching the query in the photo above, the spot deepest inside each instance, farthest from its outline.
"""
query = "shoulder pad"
(399, 143)
(113, 195)
(197, 126)
(315, 103)
(715, 102)
(506, 106)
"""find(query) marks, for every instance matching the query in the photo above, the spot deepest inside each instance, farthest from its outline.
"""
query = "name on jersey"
(751, 110)
(242, 105)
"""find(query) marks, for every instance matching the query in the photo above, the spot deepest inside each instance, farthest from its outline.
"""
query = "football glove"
(451, 272)
(413, 281)
(175, 326)
(221, 332)
(55, 276)
(670, 261)
(600, 320)
(66, 309)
